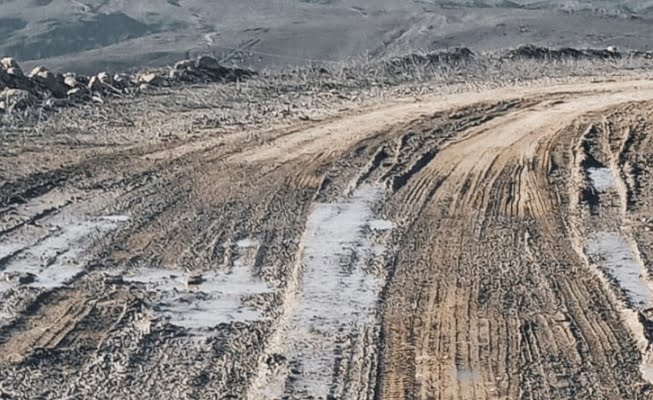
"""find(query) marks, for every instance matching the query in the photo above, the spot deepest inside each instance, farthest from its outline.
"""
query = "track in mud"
(492, 245)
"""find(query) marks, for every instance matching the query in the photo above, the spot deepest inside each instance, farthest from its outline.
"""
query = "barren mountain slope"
(92, 35)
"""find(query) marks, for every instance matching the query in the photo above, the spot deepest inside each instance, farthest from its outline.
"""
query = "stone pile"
(43, 87)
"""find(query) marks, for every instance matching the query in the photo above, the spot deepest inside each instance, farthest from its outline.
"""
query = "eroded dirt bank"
(493, 245)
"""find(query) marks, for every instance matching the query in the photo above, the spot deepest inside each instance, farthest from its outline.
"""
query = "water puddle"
(602, 179)
(338, 297)
(615, 256)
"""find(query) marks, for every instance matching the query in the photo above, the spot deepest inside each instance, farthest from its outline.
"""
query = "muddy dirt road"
(494, 245)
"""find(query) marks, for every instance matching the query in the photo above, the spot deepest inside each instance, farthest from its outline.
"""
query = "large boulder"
(36, 71)
(14, 80)
(207, 63)
(49, 81)
(9, 62)
(70, 81)
(149, 78)
(17, 72)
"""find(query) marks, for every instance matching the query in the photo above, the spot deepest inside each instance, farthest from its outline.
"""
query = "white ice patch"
(51, 254)
(602, 179)
(58, 256)
(116, 218)
(380, 225)
(247, 243)
(621, 265)
(216, 299)
(338, 296)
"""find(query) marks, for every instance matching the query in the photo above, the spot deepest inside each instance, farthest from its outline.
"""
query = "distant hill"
(91, 35)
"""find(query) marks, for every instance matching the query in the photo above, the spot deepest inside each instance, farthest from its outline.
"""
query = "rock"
(207, 63)
(49, 81)
(27, 278)
(17, 98)
(95, 83)
(184, 64)
(122, 79)
(105, 78)
(17, 72)
(9, 62)
(37, 70)
(195, 279)
(144, 87)
(70, 81)
(75, 92)
(149, 78)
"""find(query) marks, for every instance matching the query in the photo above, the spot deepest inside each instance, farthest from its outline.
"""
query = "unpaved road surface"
(494, 245)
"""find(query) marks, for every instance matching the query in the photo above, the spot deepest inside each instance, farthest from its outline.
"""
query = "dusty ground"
(453, 243)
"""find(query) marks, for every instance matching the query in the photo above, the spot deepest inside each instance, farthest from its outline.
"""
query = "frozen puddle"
(50, 255)
(338, 297)
(54, 258)
(615, 255)
(216, 299)
(602, 179)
